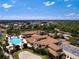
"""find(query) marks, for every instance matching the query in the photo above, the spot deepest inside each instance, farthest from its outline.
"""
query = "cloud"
(17, 17)
(29, 8)
(48, 3)
(69, 5)
(6, 6)
(66, 0)
(13, 1)
(0, 16)
(71, 14)
(77, 14)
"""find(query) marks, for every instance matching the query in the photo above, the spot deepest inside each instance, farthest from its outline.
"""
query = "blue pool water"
(15, 40)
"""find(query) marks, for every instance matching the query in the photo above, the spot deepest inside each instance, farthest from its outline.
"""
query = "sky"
(39, 9)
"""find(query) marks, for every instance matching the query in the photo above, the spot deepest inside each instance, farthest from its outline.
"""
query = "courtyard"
(28, 55)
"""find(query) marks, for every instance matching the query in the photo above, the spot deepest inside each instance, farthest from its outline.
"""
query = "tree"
(2, 56)
(42, 51)
(73, 40)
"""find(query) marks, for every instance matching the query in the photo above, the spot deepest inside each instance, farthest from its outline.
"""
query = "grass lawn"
(3, 35)
(15, 55)
(45, 57)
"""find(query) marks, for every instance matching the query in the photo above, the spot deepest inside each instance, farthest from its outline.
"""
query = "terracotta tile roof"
(66, 42)
(50, 45)
(54, 47)
(52, 52)
(38, 37)
(50, 42)
(30, 40)
(31, 32)
(45, 40)
(35, 38)
(49, 39)
(42, 42)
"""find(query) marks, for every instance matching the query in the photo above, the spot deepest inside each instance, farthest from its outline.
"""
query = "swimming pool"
(15, 40)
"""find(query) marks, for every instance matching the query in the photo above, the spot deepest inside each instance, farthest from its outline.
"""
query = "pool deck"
(28, 55)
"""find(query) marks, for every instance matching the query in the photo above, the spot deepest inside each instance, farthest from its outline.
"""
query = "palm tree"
(2, 56)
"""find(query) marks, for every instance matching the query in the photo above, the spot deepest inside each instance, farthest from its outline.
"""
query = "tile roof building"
(54, 46)
(50, 43)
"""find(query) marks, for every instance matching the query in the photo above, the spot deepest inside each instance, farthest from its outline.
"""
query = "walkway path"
(10, 57)
(28, 55)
